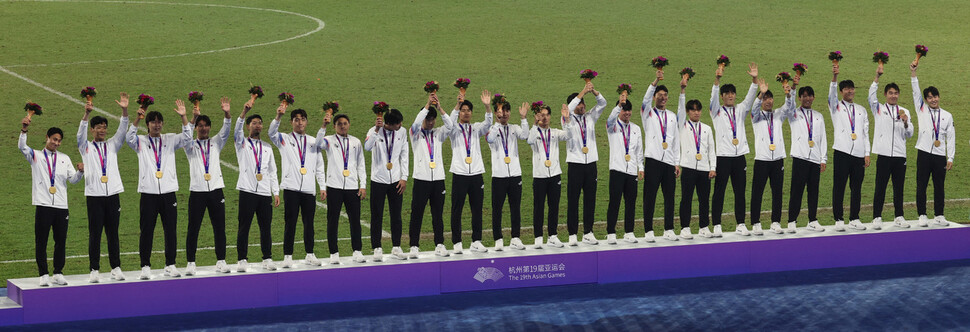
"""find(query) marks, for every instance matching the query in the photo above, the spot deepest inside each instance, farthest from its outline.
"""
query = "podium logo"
(488, 273)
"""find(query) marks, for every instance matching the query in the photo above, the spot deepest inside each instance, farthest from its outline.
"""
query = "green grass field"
(386, 50)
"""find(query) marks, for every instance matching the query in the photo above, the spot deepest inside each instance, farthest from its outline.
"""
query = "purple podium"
(431, 275)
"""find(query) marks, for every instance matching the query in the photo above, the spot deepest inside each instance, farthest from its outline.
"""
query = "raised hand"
(179, 107)
(565, 112)
(379, 122)
(224, 102)
(196, 111)
(753, 69)
(88, 107)
(327, 119)
(141, 113)
(795, 80)
(281, 110)
(524, 109)
(718, 73)
(25, 123)
(660, 75)
(787, 88)
(683, 83)
(623, 97)
(835, 69)
(762, 86)
(123, 100)
(879, 70)
(486, 98)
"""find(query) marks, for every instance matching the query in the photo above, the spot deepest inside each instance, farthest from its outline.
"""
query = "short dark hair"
(55, 130)
(393, 117)
(768, 94)
(574, 95)
(545, 108)
(251, 117)
(694, 104)
(728, 88)
(626, 106)
(432, 113)
(298, 111)
(341, 116)
(806, 90)
(97, 119)
(660, 88)
(930, 91)
(153, 116)
(846, 84)
(203, 118)
(890, 86)
(506, 106)
(471, 107)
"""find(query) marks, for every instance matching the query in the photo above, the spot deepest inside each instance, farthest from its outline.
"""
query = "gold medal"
(508, 160)
(468, 160)
(936, 143)
(158, 174)
(303, 170)
(585, 149)
(664, 145)
(53, 190)
(346, 172)
(104, 179)
(431, 164)
(208, 176)
(259, 177)
(811, 144)
(627, 157)
(548, 163)
(771, 147)
(390, 165)
(854, 136)
(699, 156)
(735, 141)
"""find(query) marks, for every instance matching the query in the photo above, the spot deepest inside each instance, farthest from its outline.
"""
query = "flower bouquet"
(588, 75)
(89, 93)
(286, 98)
(835, 57)
(920, 52)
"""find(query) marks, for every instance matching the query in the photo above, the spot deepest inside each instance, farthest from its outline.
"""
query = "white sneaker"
(840, 226)
(649, 237)
(630, 238)
(705, 233)
(190, 269)
(358, 257)
(776, 228)
(335, 258)
(516, 244)
(146, 273)
(457, 248)
(815, 226)
(172, 271)
(397, 253)
(756, 229)
(742, 230)
(499, 244)
(439, 250)
(268, 265)
(877, 223)
(287, 262)
(554, 242)
(940, 221)
(45, 280)
(93, 278)
(792, 226)
(222, 267)
(116, 274)
(378, 254)
(669, 235)
(478, 247)
(572, 240)
(717, 231)
(242, 265)
(59, 280)
(685, 234)
(923, 221)
(857, 225)
(901, 222)
(414, 252)
(538, 243)
(310, 259)
(611, 238)
(590, 239)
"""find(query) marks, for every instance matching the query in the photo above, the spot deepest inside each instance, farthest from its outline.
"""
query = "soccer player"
(546, 173)
(769, 154)
(809, 144)
(302, 168)
(205, 187)
(698, 161)
(467, 168)
(157, 183)
(626, 150)
(935, 147)
(581, 157)
(732, 146)
(851, 130)
(506, 172)
(50, 171)
(429, 175)
(388, 142)
(346, 183)
(258, 186)
(103, 186)
(893, 128)
(661, 151)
